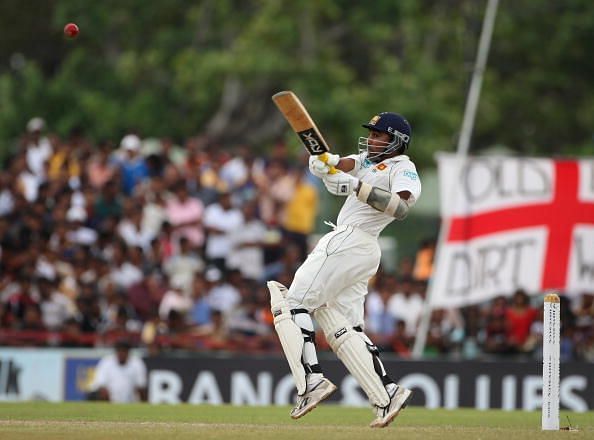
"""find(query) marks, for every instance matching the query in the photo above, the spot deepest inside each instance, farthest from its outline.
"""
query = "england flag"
(510, 223)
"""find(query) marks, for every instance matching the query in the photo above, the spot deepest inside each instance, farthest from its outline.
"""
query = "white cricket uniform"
(337, 271)
(121, 381)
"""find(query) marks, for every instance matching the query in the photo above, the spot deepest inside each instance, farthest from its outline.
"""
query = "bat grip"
(324, 158)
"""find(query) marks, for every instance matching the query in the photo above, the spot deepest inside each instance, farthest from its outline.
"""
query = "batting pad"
(289, 333)
(351, 349)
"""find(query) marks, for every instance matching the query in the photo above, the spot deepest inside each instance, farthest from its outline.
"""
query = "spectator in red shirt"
(519, 318)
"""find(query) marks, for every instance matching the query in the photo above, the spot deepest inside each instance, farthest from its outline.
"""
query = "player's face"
(377, 141)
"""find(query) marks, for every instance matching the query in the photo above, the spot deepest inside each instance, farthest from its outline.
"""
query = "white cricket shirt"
(394, 174)
(120, 380)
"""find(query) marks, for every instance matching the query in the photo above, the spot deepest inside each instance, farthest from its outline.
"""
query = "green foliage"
(175, 67)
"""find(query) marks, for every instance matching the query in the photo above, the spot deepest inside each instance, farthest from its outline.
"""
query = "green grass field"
(328, 422)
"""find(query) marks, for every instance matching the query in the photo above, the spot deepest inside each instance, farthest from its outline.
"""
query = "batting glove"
(320, 168)
(340, 184)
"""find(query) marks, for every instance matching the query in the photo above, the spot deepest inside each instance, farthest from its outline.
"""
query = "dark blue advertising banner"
(447, 384)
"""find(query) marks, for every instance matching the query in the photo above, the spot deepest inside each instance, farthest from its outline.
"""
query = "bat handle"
(324, 158)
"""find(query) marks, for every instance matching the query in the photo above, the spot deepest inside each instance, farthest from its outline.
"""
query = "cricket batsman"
(379, 184)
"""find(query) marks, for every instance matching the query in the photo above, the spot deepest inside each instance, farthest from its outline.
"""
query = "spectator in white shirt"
(221, 219)
(120, 377)
(222, 296)
(406, 305)
(131, 230)
(39, 148)
(184, 265)
(175, 299)
(123, 273)
(247, 253)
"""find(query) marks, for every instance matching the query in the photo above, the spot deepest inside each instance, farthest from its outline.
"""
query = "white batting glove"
(340, 184)
(317, 167)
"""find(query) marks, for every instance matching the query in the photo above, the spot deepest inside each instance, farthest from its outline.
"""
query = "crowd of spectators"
(171, 246)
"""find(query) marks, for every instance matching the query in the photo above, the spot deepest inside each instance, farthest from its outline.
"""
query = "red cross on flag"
(512, 223)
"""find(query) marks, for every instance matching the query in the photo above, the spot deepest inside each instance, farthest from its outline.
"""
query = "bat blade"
(301, 122)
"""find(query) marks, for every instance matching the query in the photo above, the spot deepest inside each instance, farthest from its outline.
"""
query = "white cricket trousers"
(336, 273)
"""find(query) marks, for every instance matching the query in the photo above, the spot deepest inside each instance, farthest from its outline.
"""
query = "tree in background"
(181, 68)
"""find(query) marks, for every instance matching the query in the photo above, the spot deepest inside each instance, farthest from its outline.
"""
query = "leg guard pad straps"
(351, 349)
(289, 333)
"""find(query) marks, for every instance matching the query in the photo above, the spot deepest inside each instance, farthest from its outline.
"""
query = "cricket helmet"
(396, 126)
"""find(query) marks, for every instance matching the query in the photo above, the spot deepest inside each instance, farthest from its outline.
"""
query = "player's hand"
(340, 184)
(320, 168)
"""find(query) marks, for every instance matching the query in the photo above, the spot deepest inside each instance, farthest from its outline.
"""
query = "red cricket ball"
(71, 30)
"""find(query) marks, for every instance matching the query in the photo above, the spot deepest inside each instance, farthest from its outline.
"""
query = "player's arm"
(394, 204)
(345, 164)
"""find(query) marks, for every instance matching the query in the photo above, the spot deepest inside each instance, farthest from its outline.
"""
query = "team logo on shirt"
(411, 175)
(381, 167)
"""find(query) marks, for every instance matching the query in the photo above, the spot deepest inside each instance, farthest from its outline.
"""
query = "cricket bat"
(302, 123)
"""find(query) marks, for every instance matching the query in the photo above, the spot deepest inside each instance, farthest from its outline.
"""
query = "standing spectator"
(275, 189)
(174, 299)
(120, 377)
(64, 165)
(133, 167)
(300, 213)
(234, 171)
(123, 272)
(154, 211)
(56, 308)
(519, 318)
(423, 267)
(184, 213)
(131, 230)
(406, 305)
(222, 295)
(184, 265)
(6, 196)
(247, 253)
(200, 313)
(379, 321)
(146, 295)
(99, 170)
(38, 147)
(27, 181)
(221, 219)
